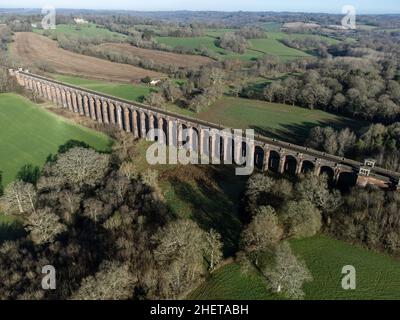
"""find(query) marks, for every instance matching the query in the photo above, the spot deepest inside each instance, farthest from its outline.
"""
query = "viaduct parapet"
(138, 119)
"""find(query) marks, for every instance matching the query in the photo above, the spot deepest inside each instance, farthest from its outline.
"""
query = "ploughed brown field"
(32, 49)
(159, 57)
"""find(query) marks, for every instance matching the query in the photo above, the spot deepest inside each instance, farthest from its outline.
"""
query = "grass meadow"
(29, 133)
(132, 92)
(90, 31)
(377, 275)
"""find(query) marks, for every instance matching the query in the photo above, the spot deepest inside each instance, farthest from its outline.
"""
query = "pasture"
(377, 275)
(132, 92)
(259, 47)
(159, 57)
(29, 133)
(273, 119)
(271, 45)
(90, 31)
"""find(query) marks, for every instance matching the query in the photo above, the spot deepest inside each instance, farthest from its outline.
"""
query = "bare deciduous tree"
(44, 226)
(19, 198)
(287, 274)
(262, 234)
(114, 281)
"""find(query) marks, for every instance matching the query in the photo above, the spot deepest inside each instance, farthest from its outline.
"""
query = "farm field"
(132, 92)
(272, 119)
(159, 57)
(377, 275)
(89, 30)
(29, 133)
(31, 49)
(259, 48)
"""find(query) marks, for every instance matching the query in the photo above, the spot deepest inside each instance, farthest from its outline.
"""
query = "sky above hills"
(329, 6)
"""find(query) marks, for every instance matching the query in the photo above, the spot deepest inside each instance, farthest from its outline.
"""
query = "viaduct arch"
(269, 154)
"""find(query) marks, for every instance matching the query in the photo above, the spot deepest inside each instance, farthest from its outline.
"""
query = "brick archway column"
(104, 105)
(215, 145)
(64, 99)
(151, 125)
(299, 165)
(92, 107)
(267, 154)
(135, 128)
(127, 119)
(99, 114)
(282, 161)
(80, 104)
(317, 168)
(143, 125)
(53, 95)
(58, 96)
(111, 108)
(86, 106)
(75, 101)
(69, 101)
(48, 92)
(119, 117)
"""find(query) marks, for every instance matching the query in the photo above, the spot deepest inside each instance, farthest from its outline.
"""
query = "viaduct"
(268, 154)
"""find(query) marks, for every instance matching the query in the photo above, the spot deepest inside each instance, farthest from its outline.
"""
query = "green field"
(132, 92)
(301, 36)
(272, 119)
(259, 47)
(89, 31)
(271, 45)
(29, 133)
(377, 275)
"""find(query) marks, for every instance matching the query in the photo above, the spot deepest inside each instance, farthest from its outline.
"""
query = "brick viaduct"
(268, 154)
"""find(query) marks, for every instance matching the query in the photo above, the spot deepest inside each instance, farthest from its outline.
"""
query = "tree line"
(375, 141)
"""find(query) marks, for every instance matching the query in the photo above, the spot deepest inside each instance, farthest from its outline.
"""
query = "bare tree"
(301, 219)
(179, 256)
(19, 198)
(262, 234)
(213, 248)
(113, 281)
(80, 166)
(288, 274)
(44, 226)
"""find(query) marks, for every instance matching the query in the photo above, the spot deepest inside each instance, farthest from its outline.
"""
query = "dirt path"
(159, 57)
(32, 49)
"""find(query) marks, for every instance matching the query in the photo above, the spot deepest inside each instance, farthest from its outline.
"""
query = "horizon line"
(191, 10)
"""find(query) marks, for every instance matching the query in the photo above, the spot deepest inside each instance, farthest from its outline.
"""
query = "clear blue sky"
(330, 6)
